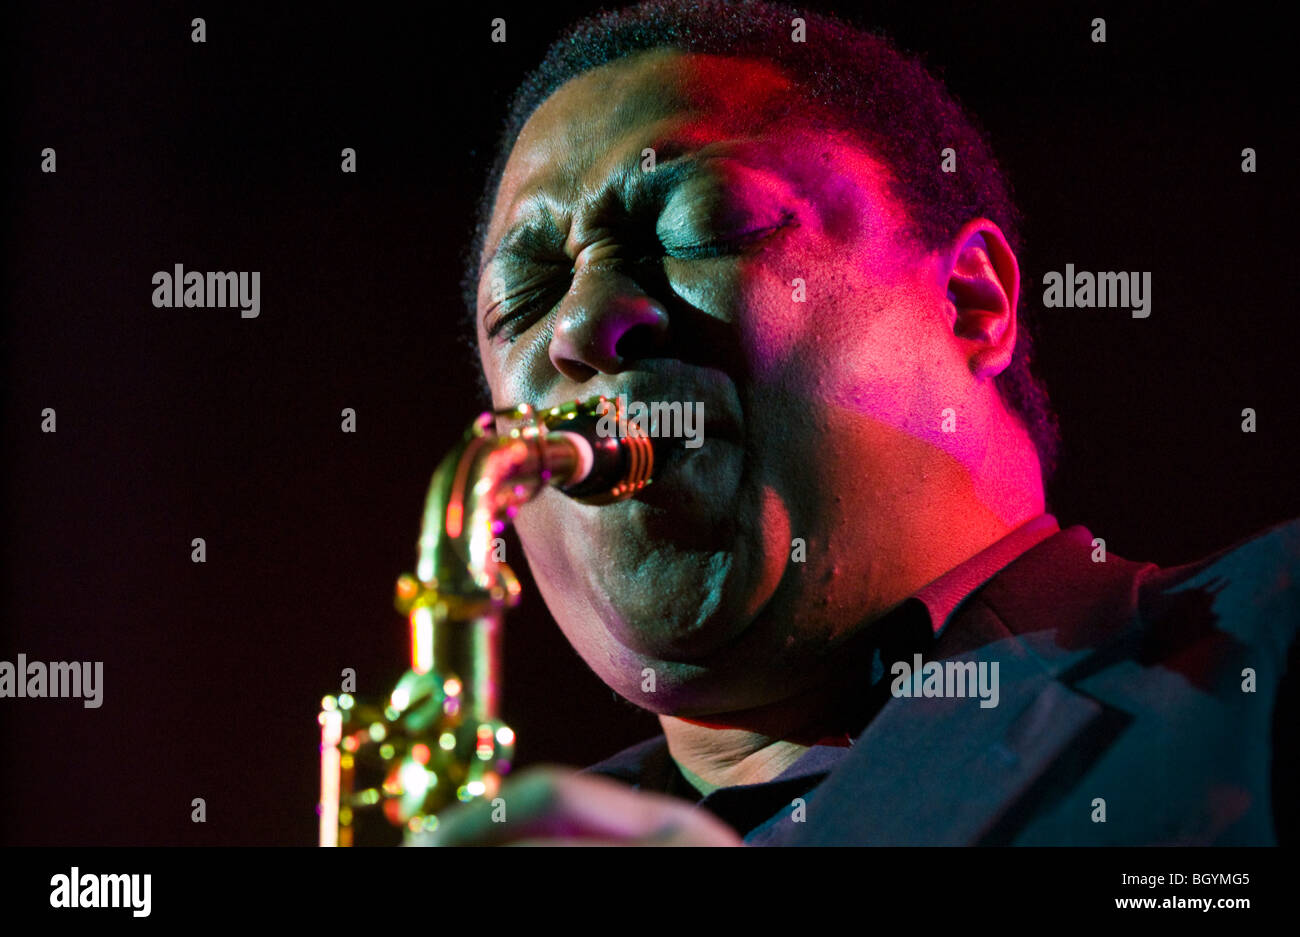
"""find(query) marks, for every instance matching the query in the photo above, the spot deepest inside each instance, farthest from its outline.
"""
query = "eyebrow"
(540, 235)
(642, 187)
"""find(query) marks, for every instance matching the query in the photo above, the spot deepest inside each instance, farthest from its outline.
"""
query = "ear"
(983, 288)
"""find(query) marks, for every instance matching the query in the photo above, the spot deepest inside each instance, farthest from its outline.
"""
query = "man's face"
(763, 270)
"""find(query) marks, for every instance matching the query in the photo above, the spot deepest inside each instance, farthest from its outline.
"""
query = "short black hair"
(855, 78)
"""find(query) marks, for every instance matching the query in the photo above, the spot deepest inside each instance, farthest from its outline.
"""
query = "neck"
(711, 758)
(757, 745)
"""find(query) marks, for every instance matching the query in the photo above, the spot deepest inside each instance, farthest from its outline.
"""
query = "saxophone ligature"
(438, 739)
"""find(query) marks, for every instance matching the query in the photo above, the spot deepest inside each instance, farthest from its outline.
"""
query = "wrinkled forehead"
(601, 118)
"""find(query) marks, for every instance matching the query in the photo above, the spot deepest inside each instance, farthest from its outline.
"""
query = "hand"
(549, 806)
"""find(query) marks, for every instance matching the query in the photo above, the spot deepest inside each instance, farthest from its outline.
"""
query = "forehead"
(597, 108)
(593, 124)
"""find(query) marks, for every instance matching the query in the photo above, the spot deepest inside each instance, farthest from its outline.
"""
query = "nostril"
(640, 341)
(645, 331)
(576, 371)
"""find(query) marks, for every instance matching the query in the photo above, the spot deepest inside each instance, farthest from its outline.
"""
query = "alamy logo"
(58, 679)
(951, 678)
(102, 891)
(1084, 290)
(660, 418)
(195, 290)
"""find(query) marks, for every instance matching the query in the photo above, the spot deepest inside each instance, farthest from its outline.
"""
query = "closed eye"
(523, 305)
(730, 245)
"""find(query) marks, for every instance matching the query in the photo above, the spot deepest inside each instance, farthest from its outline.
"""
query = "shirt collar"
(942, 596)
(940, 600)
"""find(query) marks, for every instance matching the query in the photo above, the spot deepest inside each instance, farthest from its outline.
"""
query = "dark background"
(183, 423)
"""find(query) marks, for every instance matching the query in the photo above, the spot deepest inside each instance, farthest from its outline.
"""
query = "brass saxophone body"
(438, 738)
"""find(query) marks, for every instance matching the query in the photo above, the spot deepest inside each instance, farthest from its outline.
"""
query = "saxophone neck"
(474, 492)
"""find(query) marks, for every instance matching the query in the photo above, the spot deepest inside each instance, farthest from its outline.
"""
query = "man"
(848, 607)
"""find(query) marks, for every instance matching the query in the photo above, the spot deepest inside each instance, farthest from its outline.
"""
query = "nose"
(606, 322)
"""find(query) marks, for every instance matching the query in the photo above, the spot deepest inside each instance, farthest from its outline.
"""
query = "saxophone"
(438, 738)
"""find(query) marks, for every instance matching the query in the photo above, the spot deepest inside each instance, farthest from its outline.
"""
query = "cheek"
(896, 369)
(767, 297)
(538, 525)
(820, 311)
(867, 335)
(775, 546)
(517, 372)
(489, 361)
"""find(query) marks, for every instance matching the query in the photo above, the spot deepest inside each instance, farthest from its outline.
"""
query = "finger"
(549, 803)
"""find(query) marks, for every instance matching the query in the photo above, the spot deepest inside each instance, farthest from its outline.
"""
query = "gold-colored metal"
(437, 739)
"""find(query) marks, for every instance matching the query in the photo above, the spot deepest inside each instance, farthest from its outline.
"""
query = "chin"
(692, 691)
(664, 602)
(768, 657)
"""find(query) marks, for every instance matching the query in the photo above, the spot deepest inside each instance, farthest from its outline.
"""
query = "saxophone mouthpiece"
(606, 467)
